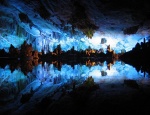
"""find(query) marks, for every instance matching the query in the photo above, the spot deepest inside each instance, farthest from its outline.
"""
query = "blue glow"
(117, 42)
(48, 40)
(47, 73)
(13, 77)
(44, 35)
(46, 79)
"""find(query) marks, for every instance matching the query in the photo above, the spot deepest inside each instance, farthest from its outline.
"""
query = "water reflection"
(101, 72)
(45, 79)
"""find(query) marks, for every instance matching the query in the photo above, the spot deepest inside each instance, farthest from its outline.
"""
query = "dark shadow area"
(79, 19)
(139, 57)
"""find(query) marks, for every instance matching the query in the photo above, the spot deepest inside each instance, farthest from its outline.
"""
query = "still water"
(45, 79)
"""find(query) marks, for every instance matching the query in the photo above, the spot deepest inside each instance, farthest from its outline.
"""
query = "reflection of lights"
(89, 63)
(50, 74)
(45, 63)
(95, 73)
(109, 66)
(47, 73)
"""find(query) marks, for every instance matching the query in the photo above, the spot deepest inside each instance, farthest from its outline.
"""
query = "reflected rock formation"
(46, 81)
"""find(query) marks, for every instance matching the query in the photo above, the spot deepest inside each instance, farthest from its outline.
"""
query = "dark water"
(49, 80)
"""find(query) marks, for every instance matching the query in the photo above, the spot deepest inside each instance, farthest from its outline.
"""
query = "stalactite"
(21, 32)
(18, 31)
(24, 33)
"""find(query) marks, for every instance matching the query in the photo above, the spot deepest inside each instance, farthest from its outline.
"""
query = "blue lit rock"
(47, 24)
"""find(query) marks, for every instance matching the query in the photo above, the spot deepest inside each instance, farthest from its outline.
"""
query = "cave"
(74, 57)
